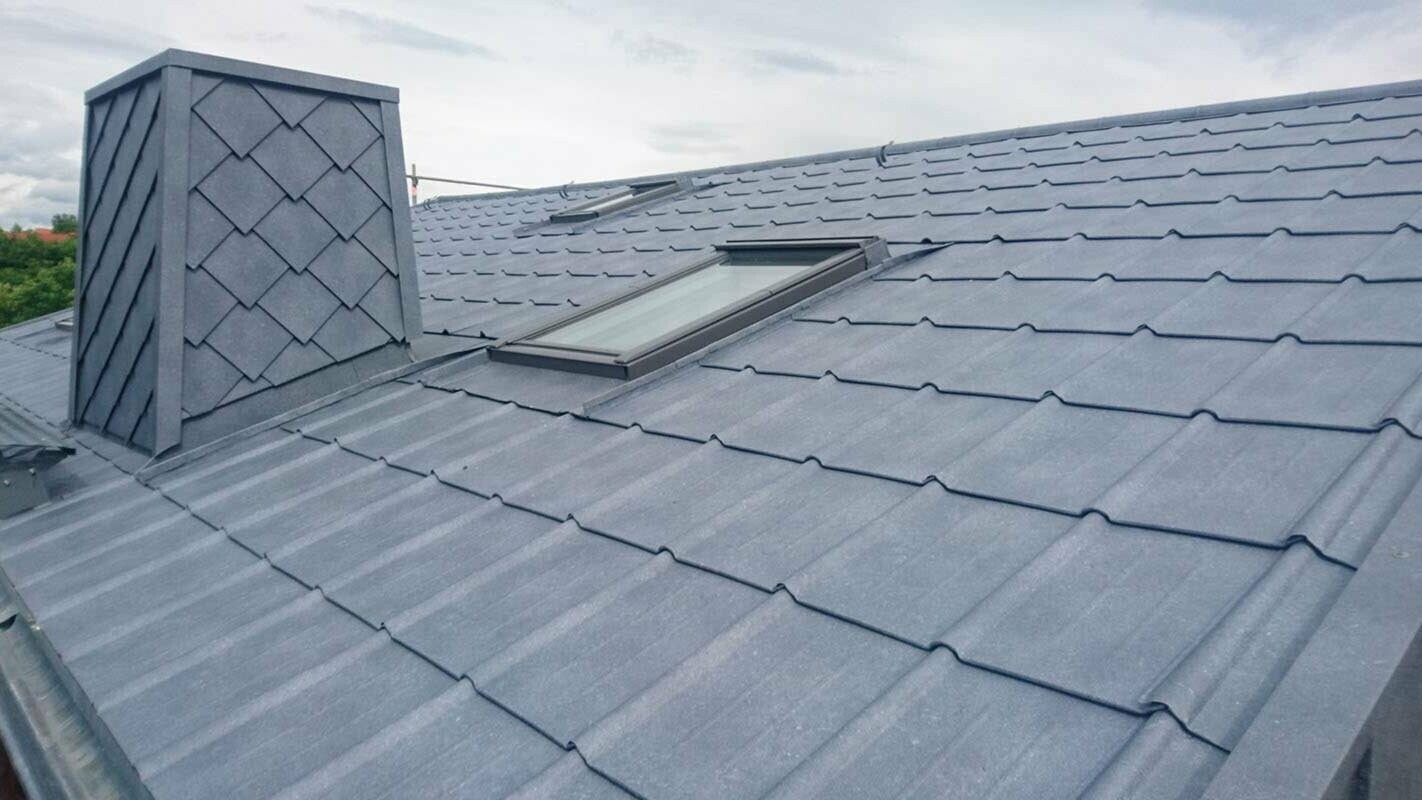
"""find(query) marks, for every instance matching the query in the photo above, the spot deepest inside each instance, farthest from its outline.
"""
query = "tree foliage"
(64, 223)
(36, 277)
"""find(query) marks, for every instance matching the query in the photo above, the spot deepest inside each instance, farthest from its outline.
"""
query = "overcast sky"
(542, 93)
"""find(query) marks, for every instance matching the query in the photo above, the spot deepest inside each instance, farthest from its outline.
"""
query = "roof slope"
(1046, 507)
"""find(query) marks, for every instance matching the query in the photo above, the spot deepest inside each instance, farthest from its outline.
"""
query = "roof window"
(661, 321)
(626, 197)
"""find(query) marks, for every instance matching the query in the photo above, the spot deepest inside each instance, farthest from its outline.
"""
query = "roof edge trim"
(204, 62)
(1353, 94)
(1351, 687)
(56, 743)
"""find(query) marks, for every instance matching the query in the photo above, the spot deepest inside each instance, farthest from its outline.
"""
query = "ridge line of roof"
(1376, 91)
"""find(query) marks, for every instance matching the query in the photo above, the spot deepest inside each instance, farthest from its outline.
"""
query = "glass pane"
(627, 326)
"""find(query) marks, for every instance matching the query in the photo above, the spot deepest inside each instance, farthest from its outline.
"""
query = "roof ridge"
(1376, 91)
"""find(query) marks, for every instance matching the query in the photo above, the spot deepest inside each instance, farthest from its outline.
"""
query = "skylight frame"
(613, 202)
(851, 256)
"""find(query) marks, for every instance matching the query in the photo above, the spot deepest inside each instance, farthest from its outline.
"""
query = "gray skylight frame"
(632, 195)
(853, 255)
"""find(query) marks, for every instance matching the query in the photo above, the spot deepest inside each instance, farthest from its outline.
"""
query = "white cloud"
(637, 87)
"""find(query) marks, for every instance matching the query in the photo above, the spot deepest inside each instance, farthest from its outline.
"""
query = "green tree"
(36, 277)
(64, 223)
(39, 291)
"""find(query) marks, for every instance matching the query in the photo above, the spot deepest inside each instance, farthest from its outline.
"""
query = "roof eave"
(54, 739)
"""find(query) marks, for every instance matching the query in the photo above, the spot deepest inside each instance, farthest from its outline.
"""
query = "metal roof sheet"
(1062, 503)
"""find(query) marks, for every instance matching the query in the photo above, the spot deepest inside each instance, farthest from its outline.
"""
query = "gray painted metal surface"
(244, 236)
(1108, 491)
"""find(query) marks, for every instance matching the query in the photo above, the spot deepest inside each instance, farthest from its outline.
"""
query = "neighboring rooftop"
(1105, 485)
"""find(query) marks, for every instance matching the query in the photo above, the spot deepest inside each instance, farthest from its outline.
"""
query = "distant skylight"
(619, 199)
(659, 322)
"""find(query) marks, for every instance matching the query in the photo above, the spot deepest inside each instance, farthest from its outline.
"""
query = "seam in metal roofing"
(1088, 497)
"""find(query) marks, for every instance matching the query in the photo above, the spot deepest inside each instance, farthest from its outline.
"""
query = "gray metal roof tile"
(686, 677)
(306, 637)
(462, 614)
(711, 479)
(354, 696)
(737, 717)
(1249, 482)
(135, 650)
(86, 620)
(1344, 385)
(1223, 308)
(569, 673)
(944, 726)
(569, 778)
(421, 556)
(456, 744)
(1364, 312)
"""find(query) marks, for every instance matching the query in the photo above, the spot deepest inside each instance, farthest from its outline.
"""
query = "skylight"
(668, 318)
(617, 200)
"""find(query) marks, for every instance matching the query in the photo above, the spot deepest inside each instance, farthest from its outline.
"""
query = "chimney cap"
(202, 62)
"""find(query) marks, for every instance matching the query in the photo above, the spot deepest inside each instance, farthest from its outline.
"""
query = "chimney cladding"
(245, 247)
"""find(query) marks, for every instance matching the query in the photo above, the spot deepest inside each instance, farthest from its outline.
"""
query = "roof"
(1097, 488)
(43, 234)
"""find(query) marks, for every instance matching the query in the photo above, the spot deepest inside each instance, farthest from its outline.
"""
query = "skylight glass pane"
(656, 313)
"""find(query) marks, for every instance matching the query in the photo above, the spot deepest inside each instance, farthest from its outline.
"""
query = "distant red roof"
(44, 235)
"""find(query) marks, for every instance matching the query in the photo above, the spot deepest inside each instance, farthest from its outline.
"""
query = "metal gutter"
(56, 743)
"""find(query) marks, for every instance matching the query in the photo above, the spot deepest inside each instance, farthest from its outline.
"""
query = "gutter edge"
(55, 740)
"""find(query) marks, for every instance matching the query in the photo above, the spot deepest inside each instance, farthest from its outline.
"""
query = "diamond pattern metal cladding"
(207, 378)
(239, 115)
(344, 200)
(350, 332)
(347, 269)
(371, 167)
(296, 232)
(242, 191)
(246, 266)
(300, 303)
(250, 339)
(205, 151)
(292, 104)
(292, 159)
(341, 130)
(205, 304)
(206, 228)
(378, 235)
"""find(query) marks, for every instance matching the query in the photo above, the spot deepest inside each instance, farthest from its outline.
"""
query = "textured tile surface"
(1049, 509)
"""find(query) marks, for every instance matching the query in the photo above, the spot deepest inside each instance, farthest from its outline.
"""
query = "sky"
(544, 92)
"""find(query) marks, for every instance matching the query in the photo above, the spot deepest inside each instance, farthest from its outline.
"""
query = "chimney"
(244, 247)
